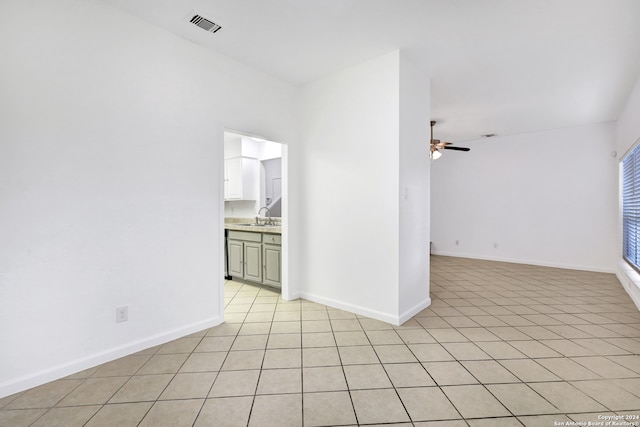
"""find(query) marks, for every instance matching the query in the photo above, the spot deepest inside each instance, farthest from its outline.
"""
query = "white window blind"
(631, 208)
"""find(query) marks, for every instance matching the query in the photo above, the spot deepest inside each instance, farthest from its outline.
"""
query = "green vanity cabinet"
(272, 260)
(235, 258)
(253, 262)
(255, 257)
(244, 250)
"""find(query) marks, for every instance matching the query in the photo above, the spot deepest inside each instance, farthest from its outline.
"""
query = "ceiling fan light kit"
(435, 145)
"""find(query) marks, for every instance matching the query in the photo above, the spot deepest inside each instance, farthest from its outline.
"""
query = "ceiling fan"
(437, 145)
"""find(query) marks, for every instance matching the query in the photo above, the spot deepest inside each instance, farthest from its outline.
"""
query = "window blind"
(631, 208)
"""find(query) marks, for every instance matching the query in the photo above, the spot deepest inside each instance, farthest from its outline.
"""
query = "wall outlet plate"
(122, 314)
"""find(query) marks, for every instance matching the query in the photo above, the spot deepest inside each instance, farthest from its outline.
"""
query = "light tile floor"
(501, 345)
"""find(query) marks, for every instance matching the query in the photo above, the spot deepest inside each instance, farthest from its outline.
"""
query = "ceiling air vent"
(205, 24)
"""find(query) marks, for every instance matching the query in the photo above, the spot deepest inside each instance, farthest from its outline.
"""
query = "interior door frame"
(286, 291)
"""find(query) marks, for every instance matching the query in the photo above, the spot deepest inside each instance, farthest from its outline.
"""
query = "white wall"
(545, 198)
(348, 162)
(628, 125)
(232, 145)
(627, 136)
(241, 209)
(414, 192)
(348, 182)
(110, 183)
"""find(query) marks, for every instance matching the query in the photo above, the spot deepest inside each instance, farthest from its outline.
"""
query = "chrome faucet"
(269, 222)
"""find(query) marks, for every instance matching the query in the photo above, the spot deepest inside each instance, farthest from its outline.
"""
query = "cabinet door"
(253, 261)
(235, 257)
(233, 171)
(272, 263)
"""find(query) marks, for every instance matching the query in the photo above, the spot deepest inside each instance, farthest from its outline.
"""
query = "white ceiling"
(496, 66)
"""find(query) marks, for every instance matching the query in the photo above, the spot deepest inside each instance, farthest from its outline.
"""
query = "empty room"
(320, 213)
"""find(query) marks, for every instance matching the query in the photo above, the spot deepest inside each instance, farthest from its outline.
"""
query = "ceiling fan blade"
(457, 148)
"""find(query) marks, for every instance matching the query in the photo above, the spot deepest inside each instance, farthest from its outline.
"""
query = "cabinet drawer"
(245, 235)
(274, 239)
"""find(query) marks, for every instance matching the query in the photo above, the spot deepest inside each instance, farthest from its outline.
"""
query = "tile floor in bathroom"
(501, 345)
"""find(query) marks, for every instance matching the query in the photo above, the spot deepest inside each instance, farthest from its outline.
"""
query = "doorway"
(267, 169)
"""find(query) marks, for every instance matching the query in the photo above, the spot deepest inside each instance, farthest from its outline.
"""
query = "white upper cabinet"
(241, 176)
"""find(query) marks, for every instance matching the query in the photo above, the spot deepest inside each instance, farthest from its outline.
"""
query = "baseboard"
(630, 280)
(527, 262)
(287, 296)
(16, 385)
(408, 314)
(363, 311)
(374, 314)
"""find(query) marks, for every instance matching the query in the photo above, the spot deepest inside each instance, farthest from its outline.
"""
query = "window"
(631, 208)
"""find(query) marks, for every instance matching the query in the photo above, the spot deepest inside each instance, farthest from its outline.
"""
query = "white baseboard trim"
(630, 280)
(374, 314)
(291, 296)
(363, 311)
(408, 314)
(16, 385)
(524, 261)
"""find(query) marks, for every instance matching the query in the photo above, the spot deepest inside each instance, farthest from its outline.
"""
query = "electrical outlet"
(122, 314)
(457, 242)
